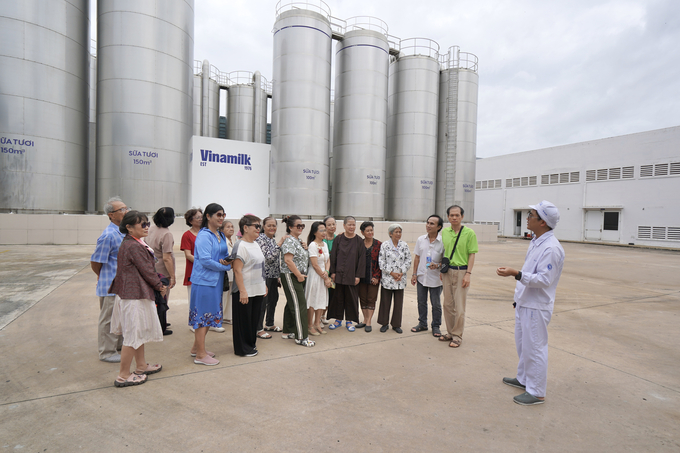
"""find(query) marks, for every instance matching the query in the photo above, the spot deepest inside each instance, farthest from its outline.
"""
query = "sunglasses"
(300, 227)
(256, 225)
(145, 224)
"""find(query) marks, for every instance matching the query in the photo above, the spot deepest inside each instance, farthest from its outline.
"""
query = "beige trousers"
(108, 342)
(454, 302)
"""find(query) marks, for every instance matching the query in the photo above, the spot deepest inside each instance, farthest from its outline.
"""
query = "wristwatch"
(518, 277)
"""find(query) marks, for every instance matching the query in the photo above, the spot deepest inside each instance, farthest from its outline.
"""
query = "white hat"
(548, 212)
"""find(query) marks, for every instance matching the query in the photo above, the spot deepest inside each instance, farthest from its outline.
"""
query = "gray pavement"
(613, 380)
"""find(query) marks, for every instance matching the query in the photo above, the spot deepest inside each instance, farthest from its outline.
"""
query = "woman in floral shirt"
(271, 249)
(294, 261)
(395, 261)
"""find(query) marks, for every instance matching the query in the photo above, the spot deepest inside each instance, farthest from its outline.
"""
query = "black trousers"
(245, 318)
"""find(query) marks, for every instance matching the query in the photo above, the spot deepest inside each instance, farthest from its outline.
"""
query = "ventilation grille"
(659, 233)
(657, 170)
(522, 181)
(609, 174)
(560, 178)
(488, 184)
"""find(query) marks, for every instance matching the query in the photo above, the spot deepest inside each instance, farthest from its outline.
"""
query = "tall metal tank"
(44, 111)
(247, 107)
(197, 109)
(360, 120)
(412, 131)
(144, 102)
(301, 110)
(457, 137)
(213, 104)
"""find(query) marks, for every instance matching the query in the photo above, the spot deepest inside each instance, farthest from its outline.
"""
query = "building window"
(611, 221)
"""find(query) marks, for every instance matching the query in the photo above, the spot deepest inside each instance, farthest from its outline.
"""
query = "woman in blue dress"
(207, 280)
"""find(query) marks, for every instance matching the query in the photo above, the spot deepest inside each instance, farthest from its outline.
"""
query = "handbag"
(446, 262)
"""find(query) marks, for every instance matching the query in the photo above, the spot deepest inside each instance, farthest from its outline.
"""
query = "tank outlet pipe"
(205, 95)
(257, 110)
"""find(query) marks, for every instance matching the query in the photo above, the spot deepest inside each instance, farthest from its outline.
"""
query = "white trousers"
(531, 339)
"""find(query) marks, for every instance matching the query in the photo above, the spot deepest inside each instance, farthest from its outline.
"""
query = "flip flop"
(263, 335)
(133, 379)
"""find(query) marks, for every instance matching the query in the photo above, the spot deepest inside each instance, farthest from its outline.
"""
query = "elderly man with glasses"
(104, 262)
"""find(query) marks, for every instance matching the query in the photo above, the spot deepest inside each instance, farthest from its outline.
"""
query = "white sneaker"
(115, 358)
(217, 329)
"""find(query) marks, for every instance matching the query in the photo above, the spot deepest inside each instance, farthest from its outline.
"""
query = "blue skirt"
(205, 305)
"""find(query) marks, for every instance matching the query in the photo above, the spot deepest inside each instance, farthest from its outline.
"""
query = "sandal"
(288, 336)
(418, 328)
(445, 337)
(263, 335)
(436, 332)
(272, 328)
(350, 327)
(306, 342)
(455, 343)
(154, 369)
(335, 325)
(133, 379)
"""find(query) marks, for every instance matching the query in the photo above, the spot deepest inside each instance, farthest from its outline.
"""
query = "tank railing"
(215, 73)
(455, 59)
(198, 67)
(393, 42)
(419, 46)
(318, 6)
(246, 78)
(337, 25)
(366, 23)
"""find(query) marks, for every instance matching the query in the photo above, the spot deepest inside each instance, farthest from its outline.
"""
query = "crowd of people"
(325, 277)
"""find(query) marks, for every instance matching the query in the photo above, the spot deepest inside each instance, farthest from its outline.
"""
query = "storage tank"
(301, 110)
(360, 120)
(213, 103)
(144, 102)
(44, 111)
(457, 137)
(412, 131)
(197, 109)
(247, 107)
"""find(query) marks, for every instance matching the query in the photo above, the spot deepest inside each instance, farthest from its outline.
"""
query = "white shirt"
(253, 268)
(541, 273)
(429, 277)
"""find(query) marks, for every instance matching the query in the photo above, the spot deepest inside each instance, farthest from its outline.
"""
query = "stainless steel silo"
(213, 104)
(44, 111)
(247, 107)
(412, 131)
(457, 138)
(197, 109)
(301, 112)
(144, 102)
(360, 123)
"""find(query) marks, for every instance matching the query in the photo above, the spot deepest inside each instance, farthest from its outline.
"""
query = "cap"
(548, 212)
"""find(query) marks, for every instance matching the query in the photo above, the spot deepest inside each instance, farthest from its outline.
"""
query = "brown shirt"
(348, 259)
(136, 277)
(161, 241)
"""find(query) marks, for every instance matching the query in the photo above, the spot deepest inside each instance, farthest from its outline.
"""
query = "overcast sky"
(551, 72)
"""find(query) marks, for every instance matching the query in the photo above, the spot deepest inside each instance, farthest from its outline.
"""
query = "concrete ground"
(613, 381)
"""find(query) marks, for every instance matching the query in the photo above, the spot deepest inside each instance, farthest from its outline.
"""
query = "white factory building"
(621, 190)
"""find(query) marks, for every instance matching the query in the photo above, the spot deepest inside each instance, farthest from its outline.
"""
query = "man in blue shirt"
(534, 300)
(104, 262)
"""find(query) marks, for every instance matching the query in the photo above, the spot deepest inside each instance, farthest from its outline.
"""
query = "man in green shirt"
(456, 281)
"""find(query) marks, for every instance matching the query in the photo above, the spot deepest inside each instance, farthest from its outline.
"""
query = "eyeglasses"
(531, 216)
(123, 209)
(145, 224)
(300, 227)
(256, 225)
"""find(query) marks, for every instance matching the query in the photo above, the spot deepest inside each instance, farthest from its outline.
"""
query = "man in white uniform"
(534, 300)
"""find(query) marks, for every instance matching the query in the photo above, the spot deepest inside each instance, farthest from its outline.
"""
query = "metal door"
(518, 223)
(593, 230)
(610, 226)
